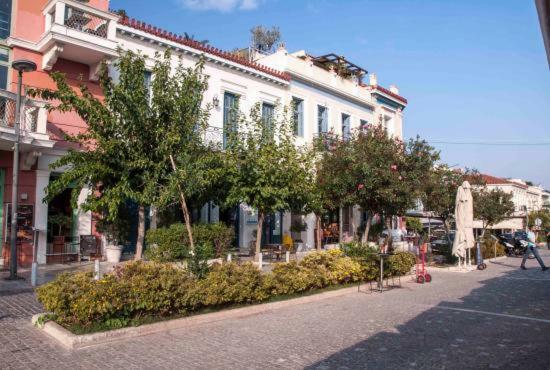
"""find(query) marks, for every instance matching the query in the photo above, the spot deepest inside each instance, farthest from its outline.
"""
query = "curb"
(74, 341)
(453, 268)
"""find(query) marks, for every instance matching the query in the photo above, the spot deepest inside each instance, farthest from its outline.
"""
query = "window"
(230, 110)
(147, 77)
(4, 68)
(322, 119)
(268, 111)
(363, 125)
(5, 18)
(298, 116)
(346, 126)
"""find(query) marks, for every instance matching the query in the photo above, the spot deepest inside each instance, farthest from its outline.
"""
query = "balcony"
(77, 32)
(214, 137)
(32, 131)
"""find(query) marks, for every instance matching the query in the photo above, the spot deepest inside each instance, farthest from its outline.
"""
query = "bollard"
(260, 262)
(33, 273)
(96, 269)
(228, 257)
(287, 256)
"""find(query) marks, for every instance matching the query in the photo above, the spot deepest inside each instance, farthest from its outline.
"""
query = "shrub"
(290, 278)
(488, 249)
(167, 244)
(401, 263)
(232, 283)
(339, 269)
(171, 243)
(134, 290)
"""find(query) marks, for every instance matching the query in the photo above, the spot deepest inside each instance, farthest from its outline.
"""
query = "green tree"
(269, 171)
(491, 206)
(440, 188)
(543, 215)
(414, 224)
(379, 173)
(135, 138)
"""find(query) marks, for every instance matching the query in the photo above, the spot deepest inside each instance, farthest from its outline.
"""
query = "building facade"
(526, 198)
(74, 37)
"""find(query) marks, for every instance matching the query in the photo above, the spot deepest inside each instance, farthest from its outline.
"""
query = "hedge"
(139, 290)
(169, 244)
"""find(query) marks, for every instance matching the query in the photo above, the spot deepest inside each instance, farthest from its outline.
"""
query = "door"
(272, 232)
(230, 110)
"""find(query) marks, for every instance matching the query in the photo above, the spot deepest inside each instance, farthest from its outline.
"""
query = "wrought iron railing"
(29, 112)
(81, 20)
(214, 137)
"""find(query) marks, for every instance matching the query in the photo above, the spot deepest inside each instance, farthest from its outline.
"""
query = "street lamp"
(20, 66)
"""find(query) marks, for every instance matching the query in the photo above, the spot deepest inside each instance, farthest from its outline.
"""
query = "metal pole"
(15, 181)
(34, 269)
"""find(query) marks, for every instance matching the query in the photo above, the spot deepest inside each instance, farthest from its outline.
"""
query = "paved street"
(498, 318)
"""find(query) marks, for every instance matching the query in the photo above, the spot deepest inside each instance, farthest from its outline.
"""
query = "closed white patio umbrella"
(464, 216)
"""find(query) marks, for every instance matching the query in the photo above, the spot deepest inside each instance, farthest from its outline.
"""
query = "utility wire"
(490, 143)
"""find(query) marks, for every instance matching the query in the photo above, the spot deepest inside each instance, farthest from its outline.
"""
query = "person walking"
(532, 248)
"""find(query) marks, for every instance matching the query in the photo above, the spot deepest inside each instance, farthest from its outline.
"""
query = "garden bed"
(142, 293)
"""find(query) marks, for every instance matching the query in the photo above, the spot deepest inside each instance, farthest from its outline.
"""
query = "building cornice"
(143, 31)
(327, 88)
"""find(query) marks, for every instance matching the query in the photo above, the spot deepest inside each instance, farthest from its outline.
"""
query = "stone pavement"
(497, 318)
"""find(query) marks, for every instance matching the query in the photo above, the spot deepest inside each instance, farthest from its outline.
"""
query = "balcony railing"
(30, 112)
(80, 17)
(83, 21)
(213, 137)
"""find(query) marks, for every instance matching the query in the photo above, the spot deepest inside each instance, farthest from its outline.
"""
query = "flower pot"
(113, 253)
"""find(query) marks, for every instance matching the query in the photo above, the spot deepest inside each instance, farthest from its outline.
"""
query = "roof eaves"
(156, 31)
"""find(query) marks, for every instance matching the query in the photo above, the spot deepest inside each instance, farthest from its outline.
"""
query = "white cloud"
(221, 5)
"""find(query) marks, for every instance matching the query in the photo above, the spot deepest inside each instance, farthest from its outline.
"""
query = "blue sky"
(473, 71)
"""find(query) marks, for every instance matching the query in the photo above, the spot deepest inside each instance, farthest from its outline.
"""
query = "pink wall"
(29, 20)
(27, 180)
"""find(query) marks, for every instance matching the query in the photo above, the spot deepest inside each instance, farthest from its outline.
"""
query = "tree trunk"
(185, 210)
(389, 241)
(141, 233)
(368, 221)
(259, 235)
(319, 232)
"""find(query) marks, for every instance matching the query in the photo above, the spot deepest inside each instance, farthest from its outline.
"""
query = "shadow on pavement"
(503, 324)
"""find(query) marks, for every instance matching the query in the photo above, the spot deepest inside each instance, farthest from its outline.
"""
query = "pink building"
(58, 35)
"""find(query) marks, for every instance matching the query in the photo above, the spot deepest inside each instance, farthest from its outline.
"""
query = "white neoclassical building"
(73, 37)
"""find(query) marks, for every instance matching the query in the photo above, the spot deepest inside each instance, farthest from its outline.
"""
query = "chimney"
(394, 89)
(372, 80)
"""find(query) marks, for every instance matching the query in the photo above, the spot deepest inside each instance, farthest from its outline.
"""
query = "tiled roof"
(388, 92)
(492, 180)
(142, 26)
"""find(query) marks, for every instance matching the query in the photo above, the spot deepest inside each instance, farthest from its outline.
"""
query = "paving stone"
(415, 326)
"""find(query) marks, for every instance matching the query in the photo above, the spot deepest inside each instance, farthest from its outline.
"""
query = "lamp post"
(20, 66)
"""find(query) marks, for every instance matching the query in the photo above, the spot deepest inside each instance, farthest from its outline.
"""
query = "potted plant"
(115, 233)
(296, 229)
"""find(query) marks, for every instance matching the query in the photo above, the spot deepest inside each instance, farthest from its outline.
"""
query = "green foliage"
(232, 283)
(401, 263)
(379, 173)
(269, 172)
(167, 244)
(291, 278)
(440, 188)
(414, 224)
(356, 249)
(125, 152)
(197, 263)
(136, 291)
(488, 249)
(492, 206)
(543, 214)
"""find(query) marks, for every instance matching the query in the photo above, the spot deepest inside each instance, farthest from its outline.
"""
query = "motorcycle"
(514, 247)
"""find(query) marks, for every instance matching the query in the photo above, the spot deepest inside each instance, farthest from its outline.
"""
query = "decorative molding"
(50, 57)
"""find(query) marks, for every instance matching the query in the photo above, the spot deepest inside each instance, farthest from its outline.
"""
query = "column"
(84, 217)
(41, 213)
